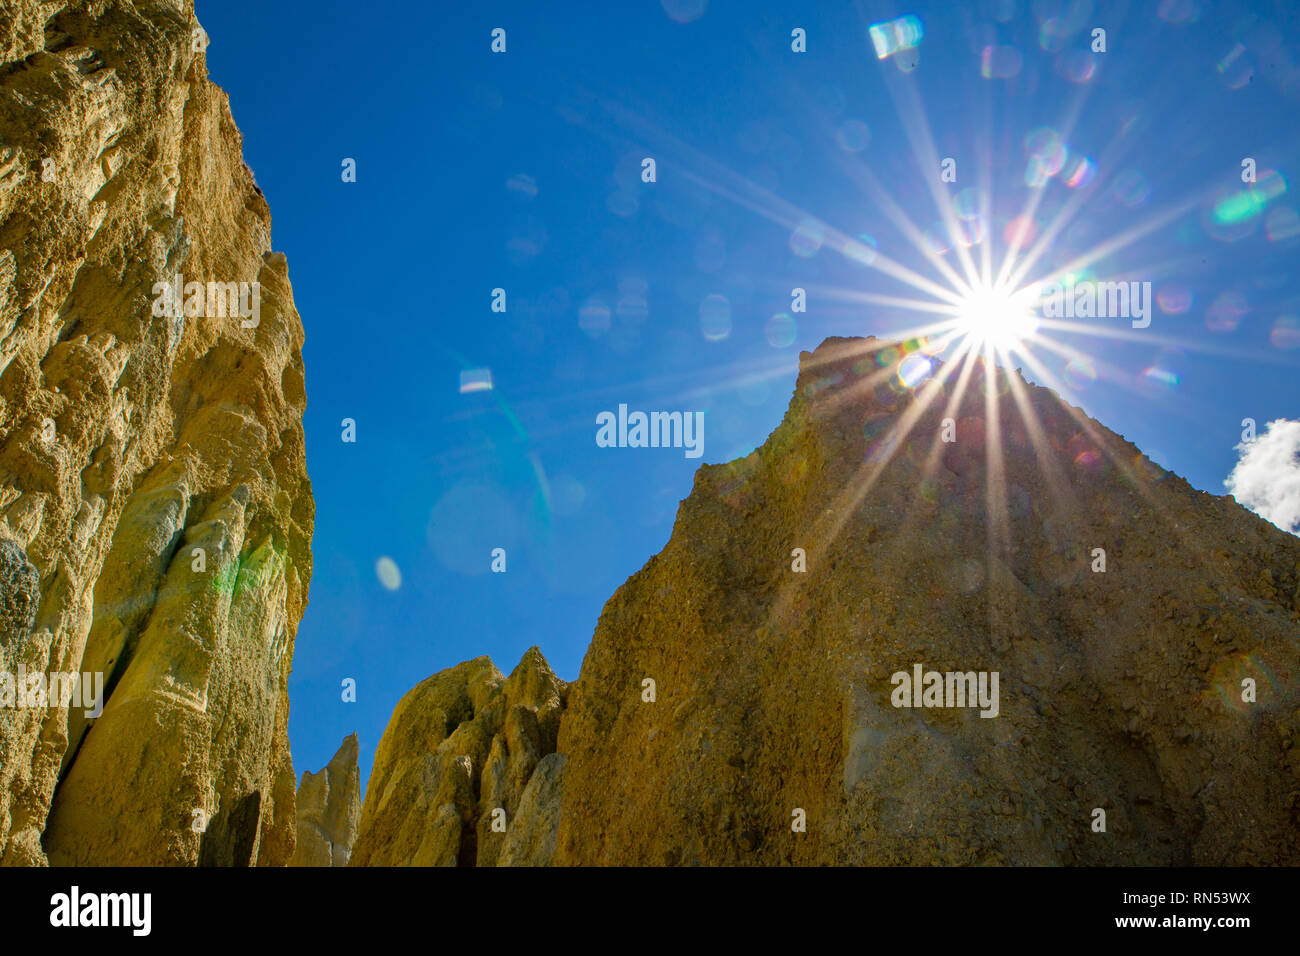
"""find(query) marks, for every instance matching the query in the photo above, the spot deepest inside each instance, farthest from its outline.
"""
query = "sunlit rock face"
(774, 690)
(466, 772)
(152, 470)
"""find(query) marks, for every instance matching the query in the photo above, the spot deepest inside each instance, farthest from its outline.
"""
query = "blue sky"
(522, 171)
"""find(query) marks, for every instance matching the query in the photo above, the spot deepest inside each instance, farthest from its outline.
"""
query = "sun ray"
(900, 220)
(727, 183)
(921, 139)
(1056, 481)
(833, 294)
(1162, 341)
(1072, 205)
(996, 519)
(1128, 469)
(1120, 241)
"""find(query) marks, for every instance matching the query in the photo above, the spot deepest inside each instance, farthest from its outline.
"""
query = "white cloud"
(1267, 477)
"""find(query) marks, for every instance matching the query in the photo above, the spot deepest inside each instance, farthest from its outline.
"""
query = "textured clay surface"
(155, 512)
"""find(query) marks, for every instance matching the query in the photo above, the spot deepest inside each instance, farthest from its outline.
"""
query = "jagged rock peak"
(466, 752)
(329, 810)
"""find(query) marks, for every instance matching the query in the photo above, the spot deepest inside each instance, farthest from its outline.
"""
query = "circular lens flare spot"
(914, 369)
(853, 136)
(780, 331)
(1174, 298)
(1226, 312)
(715, 317)
(1286, 332)
(1020, 231)
(807, 239)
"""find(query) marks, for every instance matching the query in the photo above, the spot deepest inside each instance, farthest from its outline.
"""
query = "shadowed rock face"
(776, 733)
(152, 471)
(464, 754)
(1119, 690)
(329, 810)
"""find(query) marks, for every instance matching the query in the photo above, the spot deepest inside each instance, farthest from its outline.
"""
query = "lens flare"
(1228, 682)
(914, 369)
(388, 573)
(1286, 332)
(997, 317)
(780, 331)
(807, 239)
(853, 136)
(475, 380)
(894, 36)
(1079, 373)
(999, 62)
(1174, 298)
(1282, 224)
(1226, 312)
(715, 317)
(1079, 172)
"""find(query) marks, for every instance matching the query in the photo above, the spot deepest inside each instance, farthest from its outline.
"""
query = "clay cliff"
(155, 512)
(464, 774)
(740, 702)
(329, 810)
(1145, 637)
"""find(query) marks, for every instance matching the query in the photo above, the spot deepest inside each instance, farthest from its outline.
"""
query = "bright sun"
(997, 318)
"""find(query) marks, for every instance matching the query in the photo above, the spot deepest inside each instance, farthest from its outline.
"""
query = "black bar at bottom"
(300, 905)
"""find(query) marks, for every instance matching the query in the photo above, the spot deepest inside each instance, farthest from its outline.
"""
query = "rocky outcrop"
(329, 810)
(463, 752)
(530, 841)
(775, 734)
(743, 698)
(152, 470)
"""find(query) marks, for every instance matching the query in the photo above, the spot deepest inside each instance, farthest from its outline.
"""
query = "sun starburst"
(996, 318)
